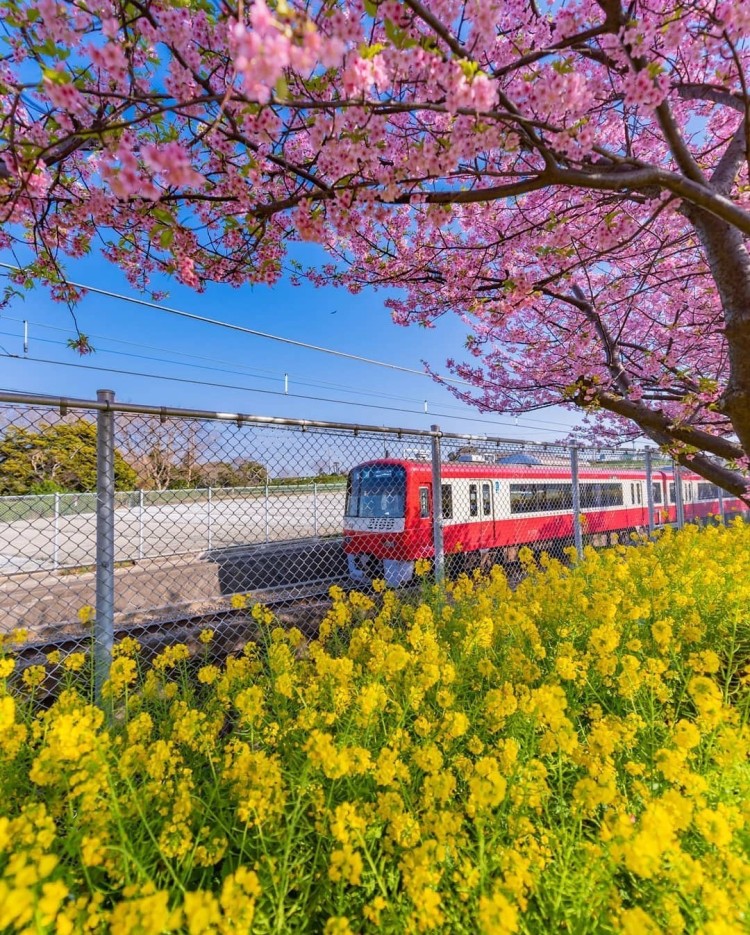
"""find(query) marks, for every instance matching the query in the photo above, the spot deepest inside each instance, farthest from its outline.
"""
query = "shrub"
(568, 755)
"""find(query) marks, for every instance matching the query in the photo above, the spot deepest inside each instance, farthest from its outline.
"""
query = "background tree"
(55, 458)
(181, 453)
(237, 473)
(165, 454)
(572, 181)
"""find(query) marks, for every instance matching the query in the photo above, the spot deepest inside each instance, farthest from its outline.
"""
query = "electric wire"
(192, 316)
(259, 374)
(244, 389)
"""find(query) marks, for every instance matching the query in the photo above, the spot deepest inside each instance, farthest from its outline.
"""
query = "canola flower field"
(567, 756)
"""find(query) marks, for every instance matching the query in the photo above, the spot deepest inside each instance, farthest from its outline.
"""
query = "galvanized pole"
(577, 530)
(105, 543)
(437, 506)
(210, 531)
(679, 504)
(315, 509)
(56, 540)
(650, 492)
(140, 524)
(722, 510)
(266, 510)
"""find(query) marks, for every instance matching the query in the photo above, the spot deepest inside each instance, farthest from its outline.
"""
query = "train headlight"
(389, 543)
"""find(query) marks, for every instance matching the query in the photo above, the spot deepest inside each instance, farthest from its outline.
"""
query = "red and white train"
(490, 510)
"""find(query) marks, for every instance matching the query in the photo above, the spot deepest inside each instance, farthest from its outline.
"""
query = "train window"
(671, 492)
(473, 500)
(599, 495)
(376, 490)
(656, 493)
(638, 493)
(424, 502)
(708, 492)
(486, 501)
(540, 498)
(446, 497)
(632, 493)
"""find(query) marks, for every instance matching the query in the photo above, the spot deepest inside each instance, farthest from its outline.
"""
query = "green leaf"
(469, 68)
(370, 51)
(563, 66)
(163, 216)
(166, 237)
(399, 38)
(54, 76)
(371, 8)
(281, 89)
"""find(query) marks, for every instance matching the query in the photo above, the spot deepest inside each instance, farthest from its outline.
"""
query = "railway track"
(163, 626)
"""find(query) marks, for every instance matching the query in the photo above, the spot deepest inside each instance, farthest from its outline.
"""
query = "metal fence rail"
(213, 513)
(117, 518)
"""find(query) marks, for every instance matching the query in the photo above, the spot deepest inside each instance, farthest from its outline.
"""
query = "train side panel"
(485, 515)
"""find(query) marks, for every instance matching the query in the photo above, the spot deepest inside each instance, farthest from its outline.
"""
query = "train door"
(487, 514)
(483, 505)
(663, 493)
(424, 523)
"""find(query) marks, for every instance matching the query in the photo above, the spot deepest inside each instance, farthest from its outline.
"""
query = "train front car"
(375, 521)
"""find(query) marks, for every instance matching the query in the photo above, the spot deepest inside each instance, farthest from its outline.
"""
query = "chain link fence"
(163, 524)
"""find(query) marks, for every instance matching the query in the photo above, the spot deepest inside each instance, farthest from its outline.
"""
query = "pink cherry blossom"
(571, 179)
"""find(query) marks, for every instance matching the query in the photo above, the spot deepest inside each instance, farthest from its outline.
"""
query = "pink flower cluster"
(65, 96)
(641, 88)
(265, 49)
(361, 75)
(479, 94)
(126, 179)
(554, 93)
(171, 162)
(110, 58)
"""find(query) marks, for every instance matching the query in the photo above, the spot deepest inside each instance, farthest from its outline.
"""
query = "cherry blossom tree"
(572, 179)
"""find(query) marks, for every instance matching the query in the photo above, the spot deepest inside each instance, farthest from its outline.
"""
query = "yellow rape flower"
(338, 925)
(86, 614)
(33, 676)
(202, 912)
(422, 567)
(497, 915)
(346, 865)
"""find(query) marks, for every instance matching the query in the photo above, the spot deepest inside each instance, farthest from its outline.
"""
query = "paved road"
(47, 603)
(167, 530)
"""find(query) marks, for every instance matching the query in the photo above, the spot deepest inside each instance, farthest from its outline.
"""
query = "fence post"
(679, 504)
(266, 510)
(650, 492)
(209, 504)
(105, 543)
(315, 509)
(140, 524)
(576, 489)
(437, 506)
(56, 539)
(722, 510)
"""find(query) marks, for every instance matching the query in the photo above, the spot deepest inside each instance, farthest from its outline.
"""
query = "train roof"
(478, 469)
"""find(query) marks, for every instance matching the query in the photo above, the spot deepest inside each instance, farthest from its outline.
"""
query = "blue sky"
(354, 392)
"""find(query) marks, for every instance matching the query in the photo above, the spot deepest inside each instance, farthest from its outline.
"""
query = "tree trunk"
(729, 262)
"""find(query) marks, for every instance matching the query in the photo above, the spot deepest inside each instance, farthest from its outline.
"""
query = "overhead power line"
(204, 319)
(267, 375)
(245, 389)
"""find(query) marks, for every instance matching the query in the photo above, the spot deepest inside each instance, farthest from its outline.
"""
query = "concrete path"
(170, 529)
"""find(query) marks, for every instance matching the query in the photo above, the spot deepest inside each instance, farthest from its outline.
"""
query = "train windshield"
(377, 490)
